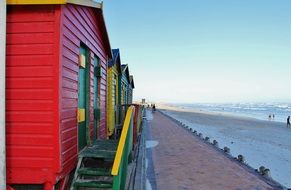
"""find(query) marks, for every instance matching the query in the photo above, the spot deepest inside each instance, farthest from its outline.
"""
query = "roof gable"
(115, 60)
(125, 71)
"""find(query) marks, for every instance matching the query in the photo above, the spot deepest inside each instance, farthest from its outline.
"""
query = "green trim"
(84, 99)
(98, 71)
(87, 69)
(97, 112)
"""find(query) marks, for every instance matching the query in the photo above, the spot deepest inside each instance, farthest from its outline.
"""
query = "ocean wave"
(255, 110)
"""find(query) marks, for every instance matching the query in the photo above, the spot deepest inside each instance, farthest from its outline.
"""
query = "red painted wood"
(24, 60)
(29, 128)
(30, 38)
(31, 27)
(30, 82)
(32, 94)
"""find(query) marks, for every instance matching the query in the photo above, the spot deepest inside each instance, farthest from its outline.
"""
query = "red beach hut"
(57, 52)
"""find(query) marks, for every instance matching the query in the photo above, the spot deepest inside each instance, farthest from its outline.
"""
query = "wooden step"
(96, 153)
(113, 142)
(101, 149)
(93, 184)
(94, 172)
(94, 166)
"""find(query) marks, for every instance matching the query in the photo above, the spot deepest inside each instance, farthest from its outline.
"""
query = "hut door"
(97, 75)
(115, 97)
(82, 98)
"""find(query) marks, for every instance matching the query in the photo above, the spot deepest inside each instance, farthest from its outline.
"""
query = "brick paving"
(182, 161)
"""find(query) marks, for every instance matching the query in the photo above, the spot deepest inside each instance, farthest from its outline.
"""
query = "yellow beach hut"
(113, 101)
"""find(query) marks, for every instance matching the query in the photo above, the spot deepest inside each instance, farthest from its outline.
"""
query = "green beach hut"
(130, 89)
(124, 83)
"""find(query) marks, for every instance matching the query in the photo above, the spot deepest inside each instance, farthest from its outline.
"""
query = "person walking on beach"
(288, 122)
(154, 107)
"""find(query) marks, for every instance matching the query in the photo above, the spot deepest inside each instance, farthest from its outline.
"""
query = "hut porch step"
(94, 184)
(94, 172)
(100, 149)
(94, 166)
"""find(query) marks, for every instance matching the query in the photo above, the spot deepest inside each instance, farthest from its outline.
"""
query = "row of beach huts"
(65, 88)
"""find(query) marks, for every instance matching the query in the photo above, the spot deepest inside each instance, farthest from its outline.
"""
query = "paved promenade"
(176, 160)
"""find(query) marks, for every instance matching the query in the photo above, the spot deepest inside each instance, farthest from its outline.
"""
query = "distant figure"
(273, 116)
(154, 107)
(288, 122)
(270, 116)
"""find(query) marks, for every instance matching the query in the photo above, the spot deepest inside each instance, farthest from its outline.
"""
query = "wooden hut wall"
(80, 25)
(130, 94)
(32, 93)
(112, 98)
(124, 85)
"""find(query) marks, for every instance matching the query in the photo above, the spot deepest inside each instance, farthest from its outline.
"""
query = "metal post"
(2, 93)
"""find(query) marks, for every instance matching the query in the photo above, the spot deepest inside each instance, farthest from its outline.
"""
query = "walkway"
(177, 160)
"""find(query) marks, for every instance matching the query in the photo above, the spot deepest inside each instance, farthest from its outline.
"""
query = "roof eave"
(87, 3)
(132, 81)
(109, 51)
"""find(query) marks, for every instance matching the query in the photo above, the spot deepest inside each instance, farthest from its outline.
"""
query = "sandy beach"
(262, 143)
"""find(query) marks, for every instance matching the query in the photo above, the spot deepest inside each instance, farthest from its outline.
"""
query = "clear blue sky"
(204, 50)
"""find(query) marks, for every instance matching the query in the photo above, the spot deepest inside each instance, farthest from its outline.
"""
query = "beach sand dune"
(263, 143)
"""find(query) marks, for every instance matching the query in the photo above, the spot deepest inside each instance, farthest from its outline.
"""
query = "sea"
(261, 111)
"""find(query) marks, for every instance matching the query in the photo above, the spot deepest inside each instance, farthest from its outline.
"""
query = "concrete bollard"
(264, 171)
(241, 158)
(215, 143)
(261, 169)
(226, 150)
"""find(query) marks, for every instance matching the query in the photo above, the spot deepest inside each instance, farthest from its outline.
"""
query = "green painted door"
(96, 97)
(82, 99)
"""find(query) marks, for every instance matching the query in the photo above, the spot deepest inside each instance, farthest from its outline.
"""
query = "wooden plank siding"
(32, 62)
(124, 83)
(80, 25)
(112, 98)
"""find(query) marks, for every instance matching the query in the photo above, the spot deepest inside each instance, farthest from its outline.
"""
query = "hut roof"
(115, 59)
(87, 3)
(125, 70)
(131, 81)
